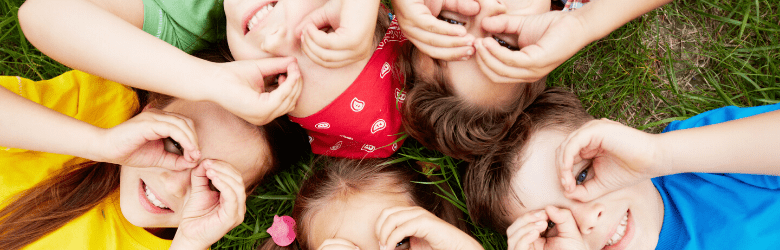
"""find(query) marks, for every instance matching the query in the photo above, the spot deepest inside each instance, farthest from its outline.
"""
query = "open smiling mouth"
(258, 16)
(150, 202)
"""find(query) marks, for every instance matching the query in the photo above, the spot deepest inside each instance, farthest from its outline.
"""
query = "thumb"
(505, 24)
(465, 7)
(322, 17)
(564, 222)
(200, 183)
(273, 66)
(588, 191)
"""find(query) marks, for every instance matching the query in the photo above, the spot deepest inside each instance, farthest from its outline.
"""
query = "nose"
(176, 182)
(588, 216)
(274, 42)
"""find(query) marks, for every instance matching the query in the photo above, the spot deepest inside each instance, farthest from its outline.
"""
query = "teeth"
(153, 199)
(619, 232)
(260, 15)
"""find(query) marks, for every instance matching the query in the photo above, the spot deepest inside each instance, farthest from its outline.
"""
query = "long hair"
(54, 202)
(487, 180)
(337, 178)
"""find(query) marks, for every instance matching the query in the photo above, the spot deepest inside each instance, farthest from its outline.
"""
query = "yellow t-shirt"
(99, 102)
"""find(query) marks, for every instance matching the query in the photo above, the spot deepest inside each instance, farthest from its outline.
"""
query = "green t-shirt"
(189, 25)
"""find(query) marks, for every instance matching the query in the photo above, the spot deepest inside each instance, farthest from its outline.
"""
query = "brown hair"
(487, 180)
(337, 178)
(74, 190)
(441, 120)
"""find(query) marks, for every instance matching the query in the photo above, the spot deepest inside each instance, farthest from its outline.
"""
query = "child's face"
(265, 28)
(537, 185)
(221, 136)
(354, 219)
(465, 77)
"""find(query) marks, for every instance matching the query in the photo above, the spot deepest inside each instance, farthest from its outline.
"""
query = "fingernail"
(541, 223)
(382, 247)
(563, 183)
(539, 214)
(464, 58)
(469, 52)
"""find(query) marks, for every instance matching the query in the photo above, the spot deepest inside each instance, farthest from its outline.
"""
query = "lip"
(248, 16)
(623, 243)
(148, 204)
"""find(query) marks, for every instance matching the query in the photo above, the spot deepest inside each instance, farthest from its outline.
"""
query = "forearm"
(85, 36)
(601, 17)
(29, 125)
(750, 145)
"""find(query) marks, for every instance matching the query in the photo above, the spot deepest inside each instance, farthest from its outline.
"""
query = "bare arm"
(104, 37)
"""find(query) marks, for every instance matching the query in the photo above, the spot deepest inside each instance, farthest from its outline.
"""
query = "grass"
(670, 64)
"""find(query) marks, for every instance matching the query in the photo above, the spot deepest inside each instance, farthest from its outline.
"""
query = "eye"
(404, 244)
(451, 21)
(550, 231)
(582, 176)
(172, 146)
(505, 44)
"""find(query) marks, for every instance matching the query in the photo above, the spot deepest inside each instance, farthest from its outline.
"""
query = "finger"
(273, 66)
(232, 197)
(439, 40)
(564, 222)
(199, 180)
(447, 54)
(527, 218)
(416, 224)
(318, 18)
(225, 170)
(337, 244)
(326, 57)
(489, 65)
(503, 63)
(288, 91)
(524, 241)
(503, 24)
(425, 20)
(191, 149)
(465, 7)
(181, 123)
(519, 238)
(388, 220)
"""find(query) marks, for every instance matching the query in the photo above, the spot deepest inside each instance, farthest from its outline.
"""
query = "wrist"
(179, 242)
(664, 163)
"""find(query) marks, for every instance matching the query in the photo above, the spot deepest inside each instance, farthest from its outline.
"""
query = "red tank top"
(365, 120)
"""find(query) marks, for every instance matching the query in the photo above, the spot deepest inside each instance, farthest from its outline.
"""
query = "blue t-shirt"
(719, 211)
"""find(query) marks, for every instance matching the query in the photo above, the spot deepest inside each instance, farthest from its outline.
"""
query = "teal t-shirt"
(189, 25)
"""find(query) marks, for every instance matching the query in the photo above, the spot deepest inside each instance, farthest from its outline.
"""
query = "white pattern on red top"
(357, 112)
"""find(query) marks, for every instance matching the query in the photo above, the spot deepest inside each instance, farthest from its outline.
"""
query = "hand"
(622, 156)
(241, 90)
(138, 142)
(352, 40)
(546, 41)
(208, 215)
(396, 223)
(434, 37)
(524, 233)
(337, 244)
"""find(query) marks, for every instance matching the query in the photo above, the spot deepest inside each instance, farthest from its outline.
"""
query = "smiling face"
(465, 77)
(265, 28)
(629, 218)
(153, 197)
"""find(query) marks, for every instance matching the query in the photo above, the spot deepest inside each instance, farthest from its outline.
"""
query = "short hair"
(440, 120)
(487, 180)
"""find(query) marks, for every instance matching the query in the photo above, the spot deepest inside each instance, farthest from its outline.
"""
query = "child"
(343, 119)
(462, 105)
(373, 204)
(592, 181)
(135, 205)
